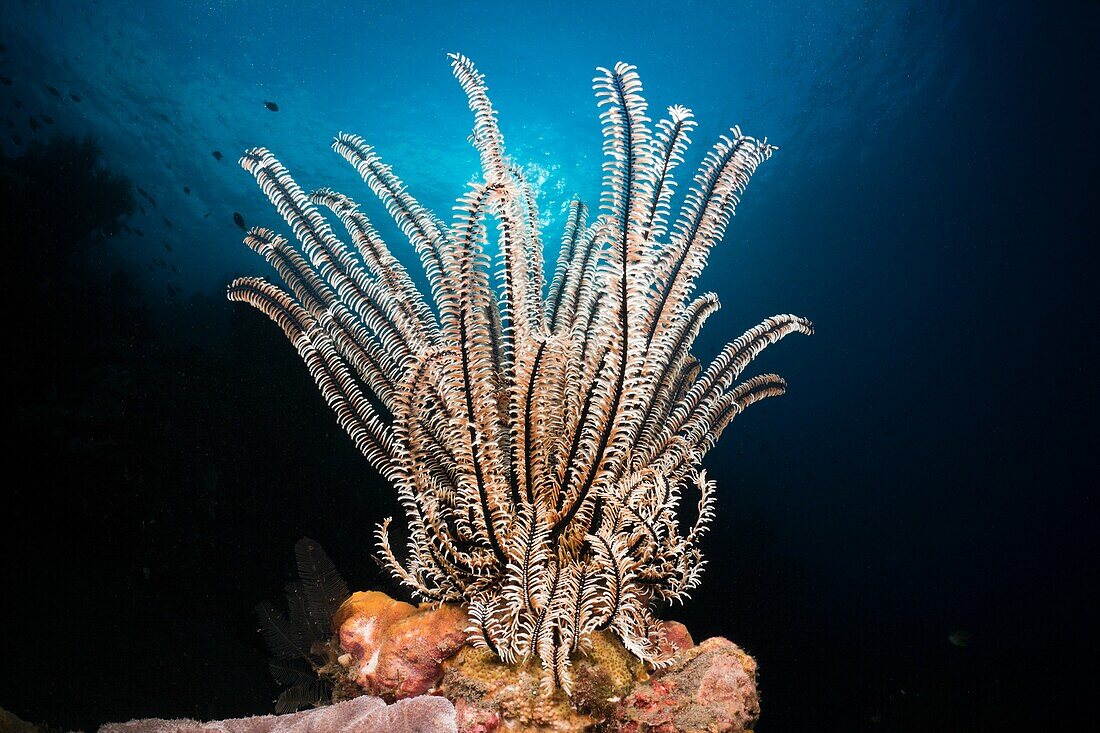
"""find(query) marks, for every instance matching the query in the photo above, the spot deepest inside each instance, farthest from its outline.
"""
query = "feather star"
(539, 434)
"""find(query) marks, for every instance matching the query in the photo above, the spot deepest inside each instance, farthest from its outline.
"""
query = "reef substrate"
(395, 651)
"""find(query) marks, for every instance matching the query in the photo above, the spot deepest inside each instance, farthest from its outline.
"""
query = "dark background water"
(931, 208)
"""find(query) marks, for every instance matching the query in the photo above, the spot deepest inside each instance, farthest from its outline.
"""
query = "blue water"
(165, 84)
(928, 209)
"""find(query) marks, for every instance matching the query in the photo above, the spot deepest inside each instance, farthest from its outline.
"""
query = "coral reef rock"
(711, 688)
(398, 650)
(677, 638)
(490, 696)
(395, 649)
(424, 714)
(12, 723)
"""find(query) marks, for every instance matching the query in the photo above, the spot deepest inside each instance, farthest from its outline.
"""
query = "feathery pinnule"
(539, 434)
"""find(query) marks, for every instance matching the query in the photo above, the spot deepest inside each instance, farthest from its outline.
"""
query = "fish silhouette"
(146, 196)
(53, 91)
(187, 190)
(33, 123)
(272, 106)
(74, 97)
(166, 222)
(217, 155)
(5, 81)
(239, 220)
(959, 637)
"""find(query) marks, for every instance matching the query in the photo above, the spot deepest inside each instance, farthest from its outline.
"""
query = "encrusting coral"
(709, 687)
(539, 434)
(395, 649)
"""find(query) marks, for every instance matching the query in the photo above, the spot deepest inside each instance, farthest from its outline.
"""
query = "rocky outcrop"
(710, 689)
(12, 723)
(396, 650)
(491, 696)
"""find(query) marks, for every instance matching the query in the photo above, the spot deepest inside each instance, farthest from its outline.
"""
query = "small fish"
(17, 140)
(33, 123)
(139, 232)
(146, 196)
(187, 190)
(141, 208)
(5, 81)
(175, 270)
(166, 222)
(959, 637)
(167, 246)
(272, 106)
(164, 117)
(53, 91)
(206, 215)
(217, 155)
(74, 97)
(46, 118)
(239, 220)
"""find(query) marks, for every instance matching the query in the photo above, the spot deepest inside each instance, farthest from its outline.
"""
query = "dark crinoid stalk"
(540, 435)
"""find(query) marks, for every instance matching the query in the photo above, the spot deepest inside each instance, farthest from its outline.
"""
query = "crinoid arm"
(540, 435)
